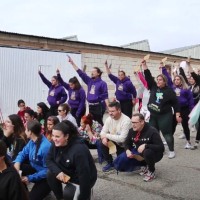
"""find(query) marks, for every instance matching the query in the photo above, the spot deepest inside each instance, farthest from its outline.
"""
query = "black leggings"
(185, 111)
(40, 189)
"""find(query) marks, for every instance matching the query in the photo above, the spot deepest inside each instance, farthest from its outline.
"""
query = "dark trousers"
(151, 157)
(97, 112)
(40, 189)
(127, 108)
(105, 151)
(185, 118)
(78, 119)
(163, 123)
(56, 186)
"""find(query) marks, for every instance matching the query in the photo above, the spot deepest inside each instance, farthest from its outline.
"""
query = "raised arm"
(165, 72)
(44, 79)
(64, 84)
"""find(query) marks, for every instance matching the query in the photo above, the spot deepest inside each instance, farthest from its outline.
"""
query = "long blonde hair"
(184, 85)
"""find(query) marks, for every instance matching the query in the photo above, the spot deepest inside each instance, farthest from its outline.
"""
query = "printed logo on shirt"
(159, 96)
(92, 90)
(73, 96)
(120, 87)
(178, 92)
(52, 93)
(154, 107)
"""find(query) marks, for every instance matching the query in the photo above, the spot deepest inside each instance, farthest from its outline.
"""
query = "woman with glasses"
(125, 91)
(64, 114)
(14, 135)
(77, 97)
(35, 151)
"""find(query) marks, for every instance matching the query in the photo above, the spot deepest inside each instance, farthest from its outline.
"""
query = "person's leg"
(105, 151)
(153, 121)
(27, 169)
(127, 108)
(165, 125)
(119, 149)
(185, 118)
(40, 190)
(55, 185)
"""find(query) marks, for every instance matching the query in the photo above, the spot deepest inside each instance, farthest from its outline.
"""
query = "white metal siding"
(19, 77)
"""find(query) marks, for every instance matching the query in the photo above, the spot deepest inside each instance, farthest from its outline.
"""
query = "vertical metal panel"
(19, 77)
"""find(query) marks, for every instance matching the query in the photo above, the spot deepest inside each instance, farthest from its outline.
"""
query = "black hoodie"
(75, 160)
(10, 185)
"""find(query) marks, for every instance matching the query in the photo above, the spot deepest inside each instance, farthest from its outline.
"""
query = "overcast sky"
(167, 24)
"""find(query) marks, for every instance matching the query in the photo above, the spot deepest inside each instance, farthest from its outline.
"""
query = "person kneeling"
(143, 147)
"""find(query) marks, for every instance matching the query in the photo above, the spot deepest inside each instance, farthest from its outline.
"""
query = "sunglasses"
(60, 110)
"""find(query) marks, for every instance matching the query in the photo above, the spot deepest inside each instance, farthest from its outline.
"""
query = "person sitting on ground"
(22, 107)
(143, 147)
(90, 132)
(115, 129)
(64, 114)
(70, 160)
(14, 135)
(11, 187)
(35, 151)
(51, 122)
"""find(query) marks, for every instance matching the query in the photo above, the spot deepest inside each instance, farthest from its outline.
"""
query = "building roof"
(140, 45)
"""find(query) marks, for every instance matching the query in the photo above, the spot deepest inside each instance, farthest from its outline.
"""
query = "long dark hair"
(19, 130)
(3, 152)
(67, 128)
(75, 81)
(35, 127)
(44, 114)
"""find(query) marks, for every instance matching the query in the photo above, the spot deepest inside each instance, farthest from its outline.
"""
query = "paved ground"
(177, 178)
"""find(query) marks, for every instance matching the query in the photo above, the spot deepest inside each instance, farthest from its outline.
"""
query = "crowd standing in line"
(51, 146)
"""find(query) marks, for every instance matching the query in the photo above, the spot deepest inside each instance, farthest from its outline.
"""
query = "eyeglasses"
(60, 110)
(135, 122)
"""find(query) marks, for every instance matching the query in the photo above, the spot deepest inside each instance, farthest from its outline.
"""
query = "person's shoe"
(108, 167)
(149, 176)
(171, 155)
(196, 144)
(188, 146)
(182, 136)
(164, 142)
(144, 170)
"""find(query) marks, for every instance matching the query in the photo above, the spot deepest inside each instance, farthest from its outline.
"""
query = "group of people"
(50, 147)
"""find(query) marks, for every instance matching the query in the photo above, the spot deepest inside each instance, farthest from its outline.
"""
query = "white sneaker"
(164, 142)
(188, 146)
(182, 136)
(171, 154)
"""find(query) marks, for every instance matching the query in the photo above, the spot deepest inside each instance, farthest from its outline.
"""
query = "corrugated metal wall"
(19, 77)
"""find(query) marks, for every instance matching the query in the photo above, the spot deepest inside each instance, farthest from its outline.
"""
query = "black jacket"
(167, 97)
(149, 135)
(76, 161)
(11, 187)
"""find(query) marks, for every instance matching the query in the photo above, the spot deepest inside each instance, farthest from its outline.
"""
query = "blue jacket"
(55, 93)
(125, 89)
(39, 163)
(77, 97)
(97, 88)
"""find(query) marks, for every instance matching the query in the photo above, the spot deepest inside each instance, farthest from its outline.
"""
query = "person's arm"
(82, 102)
(132, 91)
(82, 74)
(64, 84)
(142, 79)
(182, 73)
(84, 171)
(157, 144)
(45, 80)
(20, 144)
(169, 79)
(107, 68)
(148, 76)
(63, 96)
(51, 163)
(194, 75)
(190, 99)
